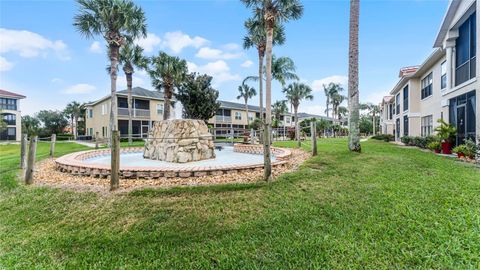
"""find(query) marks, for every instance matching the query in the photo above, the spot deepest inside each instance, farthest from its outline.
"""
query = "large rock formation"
(182, 140)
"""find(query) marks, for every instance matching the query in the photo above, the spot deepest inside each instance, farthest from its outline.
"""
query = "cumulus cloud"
(81, 88)
(247, 64)
(96, 47)
(136, 81)
(231, 47)
(29, 44)
(209, 53)
(149, 43)
(372, 97)
(219, 70)
(177, 41)
(5, 65)
(317, 85)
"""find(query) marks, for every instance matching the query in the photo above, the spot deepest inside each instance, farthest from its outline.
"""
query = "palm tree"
(131, 56)
(257, 37)
(246, 92)
(283, 69)
(272, 12)
(353, 94)
(330, 90)
(167, 72)
(295, 93)
(336, 100)
(117, 21)
(373, 110)
(279, 107)
(74, 111)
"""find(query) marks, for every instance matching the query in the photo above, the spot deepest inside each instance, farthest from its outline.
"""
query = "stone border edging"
(73, 164)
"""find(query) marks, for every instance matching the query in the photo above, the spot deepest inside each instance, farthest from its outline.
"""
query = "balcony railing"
(223, 118)
(138, 113)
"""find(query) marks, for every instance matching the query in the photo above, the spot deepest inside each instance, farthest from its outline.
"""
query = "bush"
(384, 137)
(434, 146)
(406, 140)
(64, 137)
(421, 142)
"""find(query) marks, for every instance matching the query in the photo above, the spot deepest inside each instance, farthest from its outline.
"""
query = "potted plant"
(446, 132)
(460, 150)
(470, 148)
(435, 146)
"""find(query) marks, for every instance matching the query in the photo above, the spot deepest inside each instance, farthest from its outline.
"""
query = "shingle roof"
(5, 93)
(238, 106)
(307, 115)
(136, 92)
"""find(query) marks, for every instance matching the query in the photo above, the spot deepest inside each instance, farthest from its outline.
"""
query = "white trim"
(464, 84)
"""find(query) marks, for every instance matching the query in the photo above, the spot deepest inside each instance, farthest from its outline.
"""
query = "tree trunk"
(71, 123)
(75, 127)
(166, 106)
(328, 105)
(113, 85)
(353, 95)
(129, 101)
(268, 103)
(260, 82)
(297, 126)
(373, 123)
(246, 109)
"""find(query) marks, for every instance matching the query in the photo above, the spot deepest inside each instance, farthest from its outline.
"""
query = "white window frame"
(238, 116)
(160, 111)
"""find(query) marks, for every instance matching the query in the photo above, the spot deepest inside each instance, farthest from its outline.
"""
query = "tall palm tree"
(272, 12)
(283, 69)
(167, 72)
(373, 110)
(353, 94)
(295, 93)
(279, 107)
(117, 21)
(246, 92)
(330, 90)
(257, 37)
(74, 110)
(336, 100)
(131, 57)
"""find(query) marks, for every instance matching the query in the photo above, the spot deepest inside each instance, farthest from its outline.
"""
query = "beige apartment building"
(148, 108)
(11, 115)
(444, 86)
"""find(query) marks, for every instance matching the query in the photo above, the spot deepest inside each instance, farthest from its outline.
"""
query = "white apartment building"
(11, 115)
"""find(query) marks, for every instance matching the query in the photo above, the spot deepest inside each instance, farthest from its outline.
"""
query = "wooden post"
(233, 133)
(96, 140)
(53, 139)
(252, 136)
(23, 151)
(32, 151)
(115, 158)
(313, 131)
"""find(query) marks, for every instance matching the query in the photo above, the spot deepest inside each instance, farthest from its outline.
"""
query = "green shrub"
(436, 145)
(406, 140)
(460, 149)
(384, 137)
(470, 148)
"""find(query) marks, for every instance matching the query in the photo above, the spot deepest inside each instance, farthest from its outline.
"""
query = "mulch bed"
(47, 175)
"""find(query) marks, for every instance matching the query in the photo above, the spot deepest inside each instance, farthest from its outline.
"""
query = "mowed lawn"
(389, 207)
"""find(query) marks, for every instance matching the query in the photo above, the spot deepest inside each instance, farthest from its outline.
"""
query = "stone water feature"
(180, 141)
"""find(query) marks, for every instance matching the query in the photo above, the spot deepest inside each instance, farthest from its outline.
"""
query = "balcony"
(223, 118)
(136, 113)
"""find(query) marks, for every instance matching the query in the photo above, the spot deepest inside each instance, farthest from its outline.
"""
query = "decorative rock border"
(73, 164)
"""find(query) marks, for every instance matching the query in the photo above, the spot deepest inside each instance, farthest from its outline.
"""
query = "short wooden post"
(115, 158)
(96, 140)
(252, 136)
(23, 155)
(313, 131)
(53, 139)
(232, 132)
(32, 151)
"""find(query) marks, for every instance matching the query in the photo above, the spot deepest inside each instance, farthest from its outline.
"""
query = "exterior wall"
(99, 120)
(18, 120)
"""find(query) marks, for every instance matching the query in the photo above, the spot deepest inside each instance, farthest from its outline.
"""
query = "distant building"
(11, 115)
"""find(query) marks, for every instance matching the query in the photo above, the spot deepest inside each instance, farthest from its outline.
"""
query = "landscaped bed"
(388, 207)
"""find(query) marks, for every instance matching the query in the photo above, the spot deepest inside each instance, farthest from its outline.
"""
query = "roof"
(407, 70)
(308, 115)
(136, 92)
(238, 106)
(387, 99)
(446, 22)
(5, 93)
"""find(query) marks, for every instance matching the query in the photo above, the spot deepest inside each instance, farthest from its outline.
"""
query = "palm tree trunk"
(328, 103)
(260, 82)
(129, 101)
(166, 107)
(75, 127)
(353, 95)
(268, 104)
(71, 123)
(113, 86)
(373, 123)
(297, 126)
(246, 109)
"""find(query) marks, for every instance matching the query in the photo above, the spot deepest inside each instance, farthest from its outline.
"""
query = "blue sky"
(44, 58)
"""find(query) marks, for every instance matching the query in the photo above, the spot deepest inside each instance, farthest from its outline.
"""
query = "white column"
(450, 67)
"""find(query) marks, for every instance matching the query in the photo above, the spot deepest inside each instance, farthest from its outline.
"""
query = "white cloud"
(96, 47)
(149, 43)
(231, 47)
(209, 53)
(372, 97)
(313, 109)
(136, 81)
(247, 64)
(28, 44)
(317, 85)
(177, 41)
(81, 88)
(219, 70)
(5, 65)
(56, 80)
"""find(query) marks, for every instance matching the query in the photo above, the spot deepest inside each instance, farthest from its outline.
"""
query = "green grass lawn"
(389, 207)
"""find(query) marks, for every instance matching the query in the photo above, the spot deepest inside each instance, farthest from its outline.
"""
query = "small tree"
(54, 122)
(198, 98)
(30, 125)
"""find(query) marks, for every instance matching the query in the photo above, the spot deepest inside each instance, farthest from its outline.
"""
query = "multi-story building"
(148, 108)
(11, 115)
(445, 86)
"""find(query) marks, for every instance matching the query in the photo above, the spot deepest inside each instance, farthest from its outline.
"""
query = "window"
(405, 125)
(104, 109)
(238, 116)
(465, 51)
(9, 119)
(427, 85)
(160, 109)
(397, 104)
(405, 98)
(426, 125)
(90, 113)
(251, 116)
(443, 80)
(8, 104)
(287, 120)
(91, 131)
(390, 111)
